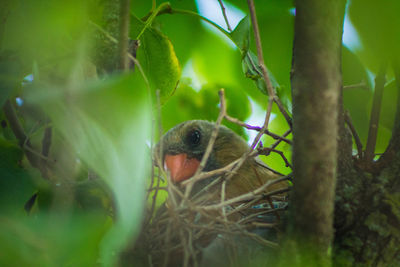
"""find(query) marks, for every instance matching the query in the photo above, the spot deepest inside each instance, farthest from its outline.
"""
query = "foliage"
(103, 127)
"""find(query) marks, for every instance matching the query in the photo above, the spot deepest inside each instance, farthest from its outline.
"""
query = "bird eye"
(193, 138)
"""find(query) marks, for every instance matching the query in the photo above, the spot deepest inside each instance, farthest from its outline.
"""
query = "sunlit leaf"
(158, 57)
(241, 34)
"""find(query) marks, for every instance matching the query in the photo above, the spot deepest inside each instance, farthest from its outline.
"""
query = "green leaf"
(157, 55)
(353, 71)
(378, 25)
(16, 184)
(107, 124)
(187, 104)
(48, 239)
(10, 74)
(241, 34)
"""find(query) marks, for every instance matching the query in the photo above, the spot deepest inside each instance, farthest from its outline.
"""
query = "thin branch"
(361, 85)
(23, 140)
(211, 142)
(375, 112)
(266, 151)
(153, 203)
(265, 125)
(257, 128)
(224, 14)
(247, 196)
(260, 56)
(124, 34)
(357, 139)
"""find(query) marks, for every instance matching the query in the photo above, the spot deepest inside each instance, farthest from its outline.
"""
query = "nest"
(195, 231)
(198, 226)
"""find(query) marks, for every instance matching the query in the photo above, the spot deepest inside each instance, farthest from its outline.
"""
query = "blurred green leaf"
(16, 184)
(10, 74)
(187, 104)
(46, 240)
(157, 55)
(107, 124)
(353, 71)
(46, 31)
(378, 25)
(389, 102)
(358, 103)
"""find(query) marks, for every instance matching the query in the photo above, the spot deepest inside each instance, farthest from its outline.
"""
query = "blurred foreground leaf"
(107, 124)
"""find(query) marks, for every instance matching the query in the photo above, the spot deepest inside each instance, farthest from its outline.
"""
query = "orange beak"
(180, 167)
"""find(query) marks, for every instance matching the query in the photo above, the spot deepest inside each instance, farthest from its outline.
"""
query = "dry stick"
(33, 157)
(374, 119)
(273, 146)
(186, 254)
(257, 128)
(224, 14)
(266, 151)
(353, 130)
(265, 125)
(247, 196)
(267, 80)
(124, 35)
(211, 142)
(159, 158)
(264, 212)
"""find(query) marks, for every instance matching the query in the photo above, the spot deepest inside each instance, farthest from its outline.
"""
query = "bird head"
(182, 148)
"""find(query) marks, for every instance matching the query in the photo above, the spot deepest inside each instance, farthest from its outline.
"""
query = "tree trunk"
(316, 83)
(367, 211)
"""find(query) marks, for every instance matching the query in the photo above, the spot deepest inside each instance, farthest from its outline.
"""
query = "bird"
(181, 150)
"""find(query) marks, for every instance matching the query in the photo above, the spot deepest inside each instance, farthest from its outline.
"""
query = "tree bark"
(367, 211)
(316, 85)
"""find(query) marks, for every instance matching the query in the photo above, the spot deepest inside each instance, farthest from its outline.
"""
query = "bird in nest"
(182, 148)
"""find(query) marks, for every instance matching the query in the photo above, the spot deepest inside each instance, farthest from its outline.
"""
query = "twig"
(361, 85)
(256, 128)
(267, 80)
(246, 196)
(124, 34)
(224, 14)
(353, 130)
(23, 140)
(46, 141)
(153, 203)
(266, 151)
(211, 142)
(376, 109)
(265, 125)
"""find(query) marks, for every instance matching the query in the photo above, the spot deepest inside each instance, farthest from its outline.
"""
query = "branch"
(394, 144)
(357, 140)
(224, 14)
(250, 195)
(257, 128)
(23, 140)
(375, 112)
(124, 34)
(267, 80)
(211, 142)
